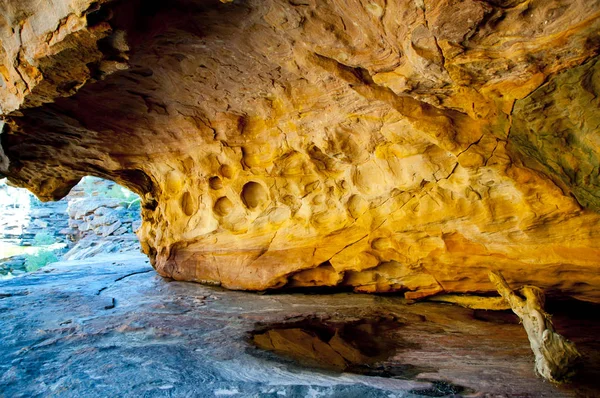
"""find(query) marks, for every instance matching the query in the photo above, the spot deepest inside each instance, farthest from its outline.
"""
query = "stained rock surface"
(383, 146)
(112, 327)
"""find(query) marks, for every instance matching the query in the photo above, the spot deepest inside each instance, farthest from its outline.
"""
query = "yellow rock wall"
(387, 146)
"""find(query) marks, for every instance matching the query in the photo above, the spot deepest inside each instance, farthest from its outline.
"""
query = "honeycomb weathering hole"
(227, 171)
(187, 204)
(223, 206)
(215, 183)
(254, 194)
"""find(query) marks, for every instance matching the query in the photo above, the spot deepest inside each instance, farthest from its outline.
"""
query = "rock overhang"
(383, 146)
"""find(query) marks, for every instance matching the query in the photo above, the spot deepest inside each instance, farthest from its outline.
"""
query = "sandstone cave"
(341, 179)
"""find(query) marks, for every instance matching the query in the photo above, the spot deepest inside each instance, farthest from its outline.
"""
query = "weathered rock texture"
(381, 145)
(109, 327)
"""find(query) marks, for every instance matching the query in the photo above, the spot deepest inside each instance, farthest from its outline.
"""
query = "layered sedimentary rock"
(386, 146)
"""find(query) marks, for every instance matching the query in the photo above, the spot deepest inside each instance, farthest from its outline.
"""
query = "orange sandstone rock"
(387, 146)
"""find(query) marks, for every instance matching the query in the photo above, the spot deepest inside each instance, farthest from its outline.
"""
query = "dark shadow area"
(499, 317)
(374, 344)
(342, 347)
(310, 290)
(579, 321)
(363, 347)
(440, 389)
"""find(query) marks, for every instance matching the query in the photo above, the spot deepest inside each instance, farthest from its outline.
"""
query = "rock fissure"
(131, 274)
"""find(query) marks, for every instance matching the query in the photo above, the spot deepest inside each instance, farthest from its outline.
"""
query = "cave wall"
(386, 146)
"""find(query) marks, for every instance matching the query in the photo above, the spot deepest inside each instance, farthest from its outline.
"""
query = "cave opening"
(97, 217)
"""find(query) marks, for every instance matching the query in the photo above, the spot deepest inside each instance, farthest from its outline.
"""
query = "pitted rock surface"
(384, 146)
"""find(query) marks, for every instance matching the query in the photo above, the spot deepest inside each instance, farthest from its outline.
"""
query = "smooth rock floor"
(111, 327)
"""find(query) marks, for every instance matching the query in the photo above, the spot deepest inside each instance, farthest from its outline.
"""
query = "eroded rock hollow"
(387, 146)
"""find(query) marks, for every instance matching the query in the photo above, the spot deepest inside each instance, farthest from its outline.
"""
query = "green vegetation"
(43, 239)
(44, 254)
(33, 262)
(41, 253)
(125, 196)
(135, 204)
(118, 192)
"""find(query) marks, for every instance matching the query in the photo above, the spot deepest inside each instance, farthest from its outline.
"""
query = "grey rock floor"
(110, 327)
